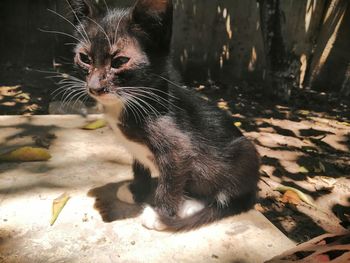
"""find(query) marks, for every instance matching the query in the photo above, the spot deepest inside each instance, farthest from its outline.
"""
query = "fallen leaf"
(26, 154)
(238, 124)
(201, 87)
(258, 207)
(309, 149)
(322, 182)
(303, 112)
(301, 195)
(303, 170)
(57, 206)
(223, 105)
(95, 125)
(291, 197)
(343, 123)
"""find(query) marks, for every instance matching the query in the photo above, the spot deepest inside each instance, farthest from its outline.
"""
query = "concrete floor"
(94, 226)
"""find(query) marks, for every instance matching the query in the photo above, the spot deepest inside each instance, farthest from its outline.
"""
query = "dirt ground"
(304, 144)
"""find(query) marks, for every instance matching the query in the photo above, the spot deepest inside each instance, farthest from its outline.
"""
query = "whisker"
(79, 98)
(60, 33)
(148, 105)
(133, 108)
(152, 94)
(116, 31)
(169, 81)
(153, 99)
(77, 18)
(58, 92)
(65, 90)
(153, 89)
(71, 97)
(129, 106)
(65, 19)
(103, 31)
(135, 101)
(107, 7)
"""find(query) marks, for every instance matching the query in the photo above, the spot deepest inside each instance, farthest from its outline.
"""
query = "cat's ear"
(155, 18)
(82, 9)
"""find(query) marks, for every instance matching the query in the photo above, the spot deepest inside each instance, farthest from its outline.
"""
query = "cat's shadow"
(110, 207)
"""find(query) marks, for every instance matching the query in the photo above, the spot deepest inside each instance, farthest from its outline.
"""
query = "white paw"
(124, 194)
(150, 219)
(190, 207)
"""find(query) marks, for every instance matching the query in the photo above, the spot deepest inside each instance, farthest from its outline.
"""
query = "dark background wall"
(272, 44)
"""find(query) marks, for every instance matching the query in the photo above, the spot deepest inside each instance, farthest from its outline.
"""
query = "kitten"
(207, 169)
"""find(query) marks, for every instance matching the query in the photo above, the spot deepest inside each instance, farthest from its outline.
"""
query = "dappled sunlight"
(306, 148)
(13, 99)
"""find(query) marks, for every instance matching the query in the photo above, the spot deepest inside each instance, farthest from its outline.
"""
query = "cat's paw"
(150, 219)
(125, 195)
(190, 207)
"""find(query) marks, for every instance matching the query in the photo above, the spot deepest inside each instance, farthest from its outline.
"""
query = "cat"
(206, 168)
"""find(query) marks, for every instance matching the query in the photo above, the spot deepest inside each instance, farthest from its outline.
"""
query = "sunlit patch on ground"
(15, 100)
(304, 144)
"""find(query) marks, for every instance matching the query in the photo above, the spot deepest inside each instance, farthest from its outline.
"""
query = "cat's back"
(202, 119)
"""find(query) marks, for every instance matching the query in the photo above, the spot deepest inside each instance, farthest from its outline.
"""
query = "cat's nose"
(98, 91)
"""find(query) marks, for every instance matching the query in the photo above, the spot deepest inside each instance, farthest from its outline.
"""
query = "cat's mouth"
(99, 92)
(104, 95)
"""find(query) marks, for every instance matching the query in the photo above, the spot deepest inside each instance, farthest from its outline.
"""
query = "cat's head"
(122, 50)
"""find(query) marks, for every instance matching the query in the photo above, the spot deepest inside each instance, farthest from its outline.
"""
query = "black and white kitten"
(206, 168)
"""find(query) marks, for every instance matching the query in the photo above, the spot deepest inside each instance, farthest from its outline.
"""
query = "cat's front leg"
(138, 190)
(141, 186)
(168, 197)
(169, 194)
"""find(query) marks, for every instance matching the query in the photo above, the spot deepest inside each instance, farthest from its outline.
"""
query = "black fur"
(197, 149)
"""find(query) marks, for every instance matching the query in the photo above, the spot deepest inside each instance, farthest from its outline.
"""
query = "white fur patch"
(189, 208)
(150, 219)
(222, 199)
(124, 194)
(139, 151)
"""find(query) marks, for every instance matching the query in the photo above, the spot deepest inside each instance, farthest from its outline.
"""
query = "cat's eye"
(117, 62)
(84, 58)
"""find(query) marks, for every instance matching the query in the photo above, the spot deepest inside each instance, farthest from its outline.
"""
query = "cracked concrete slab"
(94, 226)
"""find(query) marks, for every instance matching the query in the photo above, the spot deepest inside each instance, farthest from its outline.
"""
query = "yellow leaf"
(95, 125)
(343, 123)
(303, 170)
(304, 112)
(26, 154)
(291, 197)
(300, 194)
(57, 206)
(238, 124)
(223, 105)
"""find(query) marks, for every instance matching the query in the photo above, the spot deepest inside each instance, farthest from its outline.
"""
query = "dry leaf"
(223, 105)
(303, 112)
(95, 125)
(343, 123)
(291, 197)
(300, 194)
(258, 207)
(201, 87)
(322, 182)
(57, 206)
(303, 170)
(26, 154)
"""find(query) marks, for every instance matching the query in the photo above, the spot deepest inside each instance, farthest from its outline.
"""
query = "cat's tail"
(209, 214)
